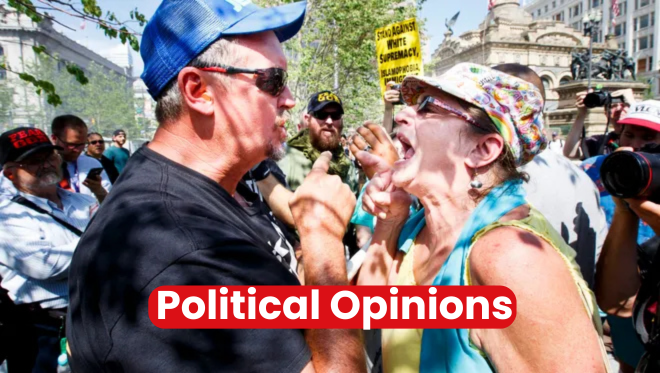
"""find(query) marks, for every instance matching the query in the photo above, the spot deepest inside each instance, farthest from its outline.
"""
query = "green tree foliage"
(87, 10)
(339, 36)
(105, 103)
(6, 100)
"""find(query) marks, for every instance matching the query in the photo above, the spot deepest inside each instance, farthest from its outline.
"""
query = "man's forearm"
(388, 117)
(617, 274)
(100, 195)
(572, 145)
(336, 350)
(333, 350)
(277, 196)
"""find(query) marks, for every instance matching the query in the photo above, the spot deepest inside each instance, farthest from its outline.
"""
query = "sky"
(434, 11)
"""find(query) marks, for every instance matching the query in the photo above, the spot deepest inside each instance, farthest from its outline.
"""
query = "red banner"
(332, 307)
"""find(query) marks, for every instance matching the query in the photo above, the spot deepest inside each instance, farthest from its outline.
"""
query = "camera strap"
(31, 205)
(601, 149)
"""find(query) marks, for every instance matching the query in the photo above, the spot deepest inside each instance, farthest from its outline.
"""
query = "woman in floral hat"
(464, 136)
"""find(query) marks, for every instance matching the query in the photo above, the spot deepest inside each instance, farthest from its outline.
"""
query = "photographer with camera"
(626, 276)
(615, 105)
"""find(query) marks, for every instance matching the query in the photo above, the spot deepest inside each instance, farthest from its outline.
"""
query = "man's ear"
(195, 91)
(485, 151)
(53, 138)
(9, 174)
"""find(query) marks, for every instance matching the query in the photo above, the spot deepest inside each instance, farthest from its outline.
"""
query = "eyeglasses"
(323, 115)
(96, 142)
(71, 145)
(429, 101)
(271, 80)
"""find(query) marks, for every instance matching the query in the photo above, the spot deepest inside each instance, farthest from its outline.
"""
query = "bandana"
(514, 105)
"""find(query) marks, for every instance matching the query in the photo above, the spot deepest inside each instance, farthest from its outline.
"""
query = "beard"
(46, 179)
(276, 150)
(276, 153)
(321, 143)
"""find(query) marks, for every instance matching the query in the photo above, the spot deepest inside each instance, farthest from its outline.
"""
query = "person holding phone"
(70, 133)
(95, 149)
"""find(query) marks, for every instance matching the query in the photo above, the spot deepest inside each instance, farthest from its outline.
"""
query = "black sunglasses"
(271, 80)
(323, 115)
(96, 142)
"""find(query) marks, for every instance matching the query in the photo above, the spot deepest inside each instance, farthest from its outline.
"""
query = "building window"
(554, 4)
(546, 9)
(623, 7)
(546, 84)
(651, 41)
(635, 23)
(641, 65)
(538, 13)
(643, 3)
(643, 43)
(622, 46)
(576, 10)
(618, 30)
(644, 21)
(595, 3)
(652, 18)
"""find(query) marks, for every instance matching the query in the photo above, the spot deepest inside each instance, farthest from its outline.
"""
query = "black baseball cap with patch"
(20, 143)
(322, 99)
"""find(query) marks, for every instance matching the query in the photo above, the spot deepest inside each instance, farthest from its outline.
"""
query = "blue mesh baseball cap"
(180, 30)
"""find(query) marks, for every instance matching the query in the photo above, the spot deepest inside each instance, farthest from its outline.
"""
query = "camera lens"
(625, 174)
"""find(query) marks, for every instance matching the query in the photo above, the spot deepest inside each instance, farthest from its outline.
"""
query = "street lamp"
(591, 22)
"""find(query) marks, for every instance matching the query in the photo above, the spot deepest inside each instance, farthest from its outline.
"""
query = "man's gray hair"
(169, 105)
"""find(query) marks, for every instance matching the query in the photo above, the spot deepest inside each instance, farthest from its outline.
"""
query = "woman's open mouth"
(408, 150)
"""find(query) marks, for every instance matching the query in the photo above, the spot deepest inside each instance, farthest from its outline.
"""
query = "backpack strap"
(31, 205)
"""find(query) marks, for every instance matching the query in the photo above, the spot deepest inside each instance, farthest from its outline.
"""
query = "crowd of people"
(460, 184)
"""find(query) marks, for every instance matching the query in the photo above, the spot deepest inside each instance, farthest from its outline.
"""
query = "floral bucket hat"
(514, 105)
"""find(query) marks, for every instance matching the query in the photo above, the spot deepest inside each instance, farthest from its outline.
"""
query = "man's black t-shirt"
(164, 224)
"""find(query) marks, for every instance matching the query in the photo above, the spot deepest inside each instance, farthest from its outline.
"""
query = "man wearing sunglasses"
(36, 246)
(95, 149)
(217, 71)
(325, 124)
(69, 132)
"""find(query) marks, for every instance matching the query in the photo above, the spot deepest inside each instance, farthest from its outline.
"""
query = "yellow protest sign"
(398, 52)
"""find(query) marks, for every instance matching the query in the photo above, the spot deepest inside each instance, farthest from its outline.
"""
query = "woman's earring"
(475, 183)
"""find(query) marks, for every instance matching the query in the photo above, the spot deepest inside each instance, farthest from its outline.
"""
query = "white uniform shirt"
(78, 171)
(36, 250)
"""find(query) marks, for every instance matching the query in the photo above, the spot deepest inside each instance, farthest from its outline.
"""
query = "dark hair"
(63, 122)
(118, 132)
(94, 133)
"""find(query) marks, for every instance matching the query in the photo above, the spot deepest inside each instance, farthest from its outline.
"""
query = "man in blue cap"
(218, 74)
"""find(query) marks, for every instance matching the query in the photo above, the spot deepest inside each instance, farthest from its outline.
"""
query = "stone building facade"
(18, 34)
(510, 34)
(635, 29)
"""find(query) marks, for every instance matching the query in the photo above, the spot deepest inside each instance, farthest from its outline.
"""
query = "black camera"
(633, 174)
(600, 99)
